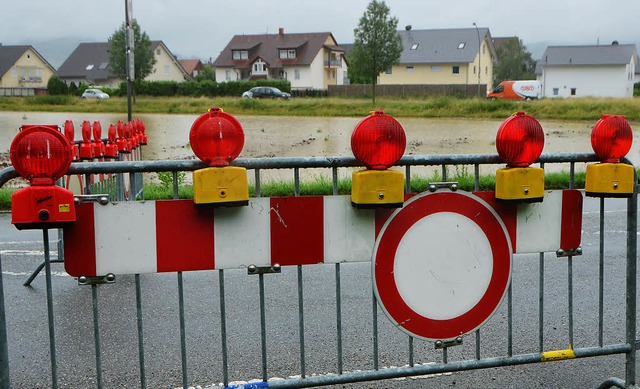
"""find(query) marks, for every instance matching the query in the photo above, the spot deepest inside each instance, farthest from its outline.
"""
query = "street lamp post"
(479, 55)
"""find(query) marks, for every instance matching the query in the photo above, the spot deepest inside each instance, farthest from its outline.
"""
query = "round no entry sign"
(442, 264)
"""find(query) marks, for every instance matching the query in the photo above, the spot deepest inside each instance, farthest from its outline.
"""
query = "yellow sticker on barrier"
(557, 355)
(64, 208)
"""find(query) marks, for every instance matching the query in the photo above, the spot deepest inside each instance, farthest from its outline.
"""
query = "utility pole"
(129, 48)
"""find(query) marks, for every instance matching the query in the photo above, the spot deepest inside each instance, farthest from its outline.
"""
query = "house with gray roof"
(588, 71)
(307, 60)
(460, 56)
(23, 71)
(89, 64)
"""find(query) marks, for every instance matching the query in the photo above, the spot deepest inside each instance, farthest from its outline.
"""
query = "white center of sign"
(443, 265)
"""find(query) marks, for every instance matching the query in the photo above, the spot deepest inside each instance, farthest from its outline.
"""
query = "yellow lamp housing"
(223, 186)
(609, 180)
(377, 189)
(521, 184)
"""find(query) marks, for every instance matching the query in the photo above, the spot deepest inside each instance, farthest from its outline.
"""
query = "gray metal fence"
(313, 325)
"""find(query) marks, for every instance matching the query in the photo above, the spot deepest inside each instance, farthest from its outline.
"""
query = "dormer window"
(287, 53)
(240, 54)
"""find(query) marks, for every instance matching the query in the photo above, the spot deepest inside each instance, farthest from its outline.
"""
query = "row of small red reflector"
(42, 154)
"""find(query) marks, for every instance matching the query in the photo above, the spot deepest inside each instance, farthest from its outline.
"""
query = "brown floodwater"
(276, 136)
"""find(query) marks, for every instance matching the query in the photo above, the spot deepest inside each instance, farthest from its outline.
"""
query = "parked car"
(261, 92)
(94, 94)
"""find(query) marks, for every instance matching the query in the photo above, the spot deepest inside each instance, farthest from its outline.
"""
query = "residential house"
(89, 64)
(307, 60)
(193, 67)
(23, 70)
(461, 56)
(581, 71)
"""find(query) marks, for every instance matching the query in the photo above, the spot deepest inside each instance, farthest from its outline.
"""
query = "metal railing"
(564, 326)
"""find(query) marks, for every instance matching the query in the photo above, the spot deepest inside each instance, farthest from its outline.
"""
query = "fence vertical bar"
(176, 193)
(143, 379)
(263, 328)
(411, 353)
(541, 305)
(476, 177)
(223, 329)
(256, 174)
(296, 180)
(407, 182)
(338, 317)
(301, 322)
(374, 310)
(5, 379)
(510, 320)
(96, 334)
(570, 297)
(334, 173)
(601, 277)
(631, 299)
(444, 172)
(183, 339)
(478, 344)
(52, 337)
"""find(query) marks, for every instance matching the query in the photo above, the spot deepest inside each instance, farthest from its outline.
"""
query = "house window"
(456, 70)
(287, 53)
(103, 65)
(157, 51)
(461, 45)
(227, 75)
(474, 69)
(259, 67)
(573, 91)
(240, 54)
(556, 91)
(89, 67)
(389, 71)
(435, 68)
(409, 68)
(296, 74)
(167, 69)
(415, 46)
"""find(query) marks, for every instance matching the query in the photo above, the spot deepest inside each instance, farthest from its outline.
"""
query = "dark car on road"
(265, 92)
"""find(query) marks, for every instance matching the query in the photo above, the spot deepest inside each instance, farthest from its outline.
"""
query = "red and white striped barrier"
(176, 235)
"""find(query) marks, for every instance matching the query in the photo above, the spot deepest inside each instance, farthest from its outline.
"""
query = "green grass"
(421, 107)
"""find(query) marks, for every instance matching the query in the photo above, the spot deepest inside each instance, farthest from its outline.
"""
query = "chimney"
(408, 27)
(281, 31)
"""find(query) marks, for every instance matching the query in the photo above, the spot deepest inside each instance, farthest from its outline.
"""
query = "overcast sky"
(201, 28)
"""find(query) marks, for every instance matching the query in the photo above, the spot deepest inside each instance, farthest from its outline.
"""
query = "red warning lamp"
(69, 132)
(611, 139)
(379, 142)
(98, 144)
(111, 148)
(217, 139)
(42, 155)
(123, 145)
(519, 142)
(142, 133)
(87, 150)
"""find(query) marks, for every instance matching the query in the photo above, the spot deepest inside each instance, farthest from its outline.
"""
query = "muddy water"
(267, 136)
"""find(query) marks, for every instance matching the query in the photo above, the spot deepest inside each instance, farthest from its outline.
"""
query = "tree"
(377, 45)
(514, 62)
(144, 59)
(208, 73)
(56, 86)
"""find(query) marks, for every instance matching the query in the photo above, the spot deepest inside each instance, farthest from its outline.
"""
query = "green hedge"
(199, 88)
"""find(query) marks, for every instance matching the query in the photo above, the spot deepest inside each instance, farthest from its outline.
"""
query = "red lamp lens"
(41, 154)
(216, 137)
(378, 141)
(520, 140)
(611, 138)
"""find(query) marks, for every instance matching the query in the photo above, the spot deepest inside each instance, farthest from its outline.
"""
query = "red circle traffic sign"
(441, 265)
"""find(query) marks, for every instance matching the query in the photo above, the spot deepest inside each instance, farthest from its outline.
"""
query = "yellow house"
(462, 56)
(23, 68)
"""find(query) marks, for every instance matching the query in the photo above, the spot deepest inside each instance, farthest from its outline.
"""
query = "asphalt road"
(26, 311)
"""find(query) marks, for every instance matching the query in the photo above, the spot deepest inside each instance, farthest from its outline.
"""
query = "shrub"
(56, 86)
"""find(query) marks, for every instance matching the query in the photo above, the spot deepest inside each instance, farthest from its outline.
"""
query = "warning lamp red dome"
(378, 141)
(41, 154)
(520, 140)
(611, 138)
(216, 138)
